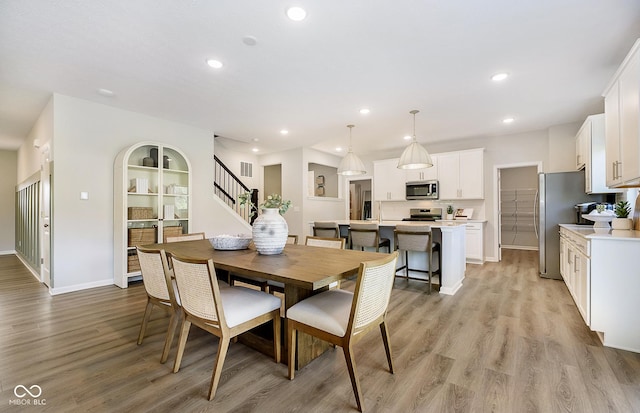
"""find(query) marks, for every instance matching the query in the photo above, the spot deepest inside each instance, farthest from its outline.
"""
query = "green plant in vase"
(622, 222)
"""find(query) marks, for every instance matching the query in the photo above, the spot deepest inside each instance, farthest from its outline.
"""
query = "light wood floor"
(509, 341)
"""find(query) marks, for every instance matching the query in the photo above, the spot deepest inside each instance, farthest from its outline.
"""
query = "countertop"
(393, 223)
(481, 221)
(587, 231)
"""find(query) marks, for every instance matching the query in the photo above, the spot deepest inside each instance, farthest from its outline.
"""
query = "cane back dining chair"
(161, 292)
(418, 238)
(367, 235)
(342, 318)
(186, 237)
(223, 312)
(275, 286)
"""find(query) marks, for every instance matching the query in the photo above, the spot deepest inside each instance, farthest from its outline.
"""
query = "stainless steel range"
(424, 214)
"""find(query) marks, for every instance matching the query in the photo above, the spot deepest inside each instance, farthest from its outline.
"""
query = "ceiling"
(312, 77)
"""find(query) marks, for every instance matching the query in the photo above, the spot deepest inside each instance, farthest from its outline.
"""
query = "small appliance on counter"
(424, 214)
(585, 208)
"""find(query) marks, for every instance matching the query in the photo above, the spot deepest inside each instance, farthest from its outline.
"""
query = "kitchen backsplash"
(396, 210)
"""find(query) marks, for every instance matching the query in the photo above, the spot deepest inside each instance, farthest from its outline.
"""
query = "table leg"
(308, 347)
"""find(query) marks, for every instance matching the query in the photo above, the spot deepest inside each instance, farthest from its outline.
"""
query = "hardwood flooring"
(508, 341)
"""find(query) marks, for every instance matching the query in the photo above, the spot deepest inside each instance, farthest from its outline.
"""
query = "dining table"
(304, 271)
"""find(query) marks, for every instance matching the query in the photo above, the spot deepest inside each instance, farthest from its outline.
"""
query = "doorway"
(516, 202)
(272, 180)
(359, 205)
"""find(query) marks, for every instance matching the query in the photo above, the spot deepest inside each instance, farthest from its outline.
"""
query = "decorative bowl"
(599, 220)
(231, 242)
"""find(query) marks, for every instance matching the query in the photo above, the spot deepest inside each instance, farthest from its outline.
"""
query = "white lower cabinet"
(600, 271)
(475, 242)
(575, 269)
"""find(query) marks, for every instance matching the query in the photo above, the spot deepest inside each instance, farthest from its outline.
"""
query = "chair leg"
(291, 332)
(430, 258)
(351, 366)
(171, 331)
(387, 346)
(276, 336)
(223, 346)
(406, 264)
(145, 320)
(182, 342)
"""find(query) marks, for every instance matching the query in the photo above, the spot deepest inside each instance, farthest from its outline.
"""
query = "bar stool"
(417, 238)
(326, 229)
(367, 235)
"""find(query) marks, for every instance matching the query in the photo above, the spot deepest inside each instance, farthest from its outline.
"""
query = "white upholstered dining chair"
(223, 312)
(342, 318)
(161, 292)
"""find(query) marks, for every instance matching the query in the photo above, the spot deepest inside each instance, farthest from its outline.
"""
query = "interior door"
(45, 218)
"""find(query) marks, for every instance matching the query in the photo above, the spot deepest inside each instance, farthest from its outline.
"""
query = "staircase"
(227, 186)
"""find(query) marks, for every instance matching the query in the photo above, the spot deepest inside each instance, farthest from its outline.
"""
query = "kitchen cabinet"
(426, 174)
(152, 199)
(598, 270)
(575, 270)
(591, 141)
(475, 242)
(388, 181)
(622, 123)
(461, 174)
(581, 147)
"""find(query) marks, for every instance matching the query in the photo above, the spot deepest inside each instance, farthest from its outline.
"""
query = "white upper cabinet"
(622, 123)
(461, 174)
(388, 181)
(426, 174)
(592, 138)
(582, 144)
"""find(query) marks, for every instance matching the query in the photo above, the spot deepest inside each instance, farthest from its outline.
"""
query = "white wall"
(232, 160)
(8, 180)
(28, 155)
(562, 148)
(87, 138)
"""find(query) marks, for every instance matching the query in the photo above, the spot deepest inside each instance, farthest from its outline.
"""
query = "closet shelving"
(517, 211)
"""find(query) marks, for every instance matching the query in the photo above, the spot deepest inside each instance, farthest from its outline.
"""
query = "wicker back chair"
(186, 237)
(223, 312)
(338, 243)
(160, 288)
(292, 239)
(342, 318)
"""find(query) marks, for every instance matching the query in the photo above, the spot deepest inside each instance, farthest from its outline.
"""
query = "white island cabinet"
(600, 270)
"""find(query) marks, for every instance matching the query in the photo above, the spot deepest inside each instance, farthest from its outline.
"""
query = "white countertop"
(482, 221)
(587, 231)
(393, 223)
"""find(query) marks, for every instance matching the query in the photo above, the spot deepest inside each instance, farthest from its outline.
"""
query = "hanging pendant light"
(351, 164)
(415, 156)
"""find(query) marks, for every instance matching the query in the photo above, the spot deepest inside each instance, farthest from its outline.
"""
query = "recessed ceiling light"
(338, 149)
(364, 111)
(106, 92)
(255, 139)
(508, 120)
(407, 138)
(499, 77)
(255, 149)
(284, 132)
(216, 64)
(296, 13)
(249, 40)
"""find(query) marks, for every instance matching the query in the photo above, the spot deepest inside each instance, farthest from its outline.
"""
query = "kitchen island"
(601, 272)
(452, 248)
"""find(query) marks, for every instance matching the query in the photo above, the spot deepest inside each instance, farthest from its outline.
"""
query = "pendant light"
(351, 164)
(415, 156)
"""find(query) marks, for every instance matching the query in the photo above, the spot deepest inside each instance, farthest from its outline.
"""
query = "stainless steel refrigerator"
(558, 193)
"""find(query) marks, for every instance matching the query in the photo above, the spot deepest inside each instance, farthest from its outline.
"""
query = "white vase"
(270, 232)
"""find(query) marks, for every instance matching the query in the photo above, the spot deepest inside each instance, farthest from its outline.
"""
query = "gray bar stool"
(326, 229)
(367, 235)
(417, 238)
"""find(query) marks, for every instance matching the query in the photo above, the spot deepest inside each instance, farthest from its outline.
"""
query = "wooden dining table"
(304, 270)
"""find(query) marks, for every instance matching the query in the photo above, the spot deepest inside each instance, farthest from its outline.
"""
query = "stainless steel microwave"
(422, 190)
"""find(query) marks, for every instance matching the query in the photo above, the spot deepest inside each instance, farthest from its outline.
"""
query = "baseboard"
(29, 267)
(78, 287)
(519, 247)
(10, 252)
